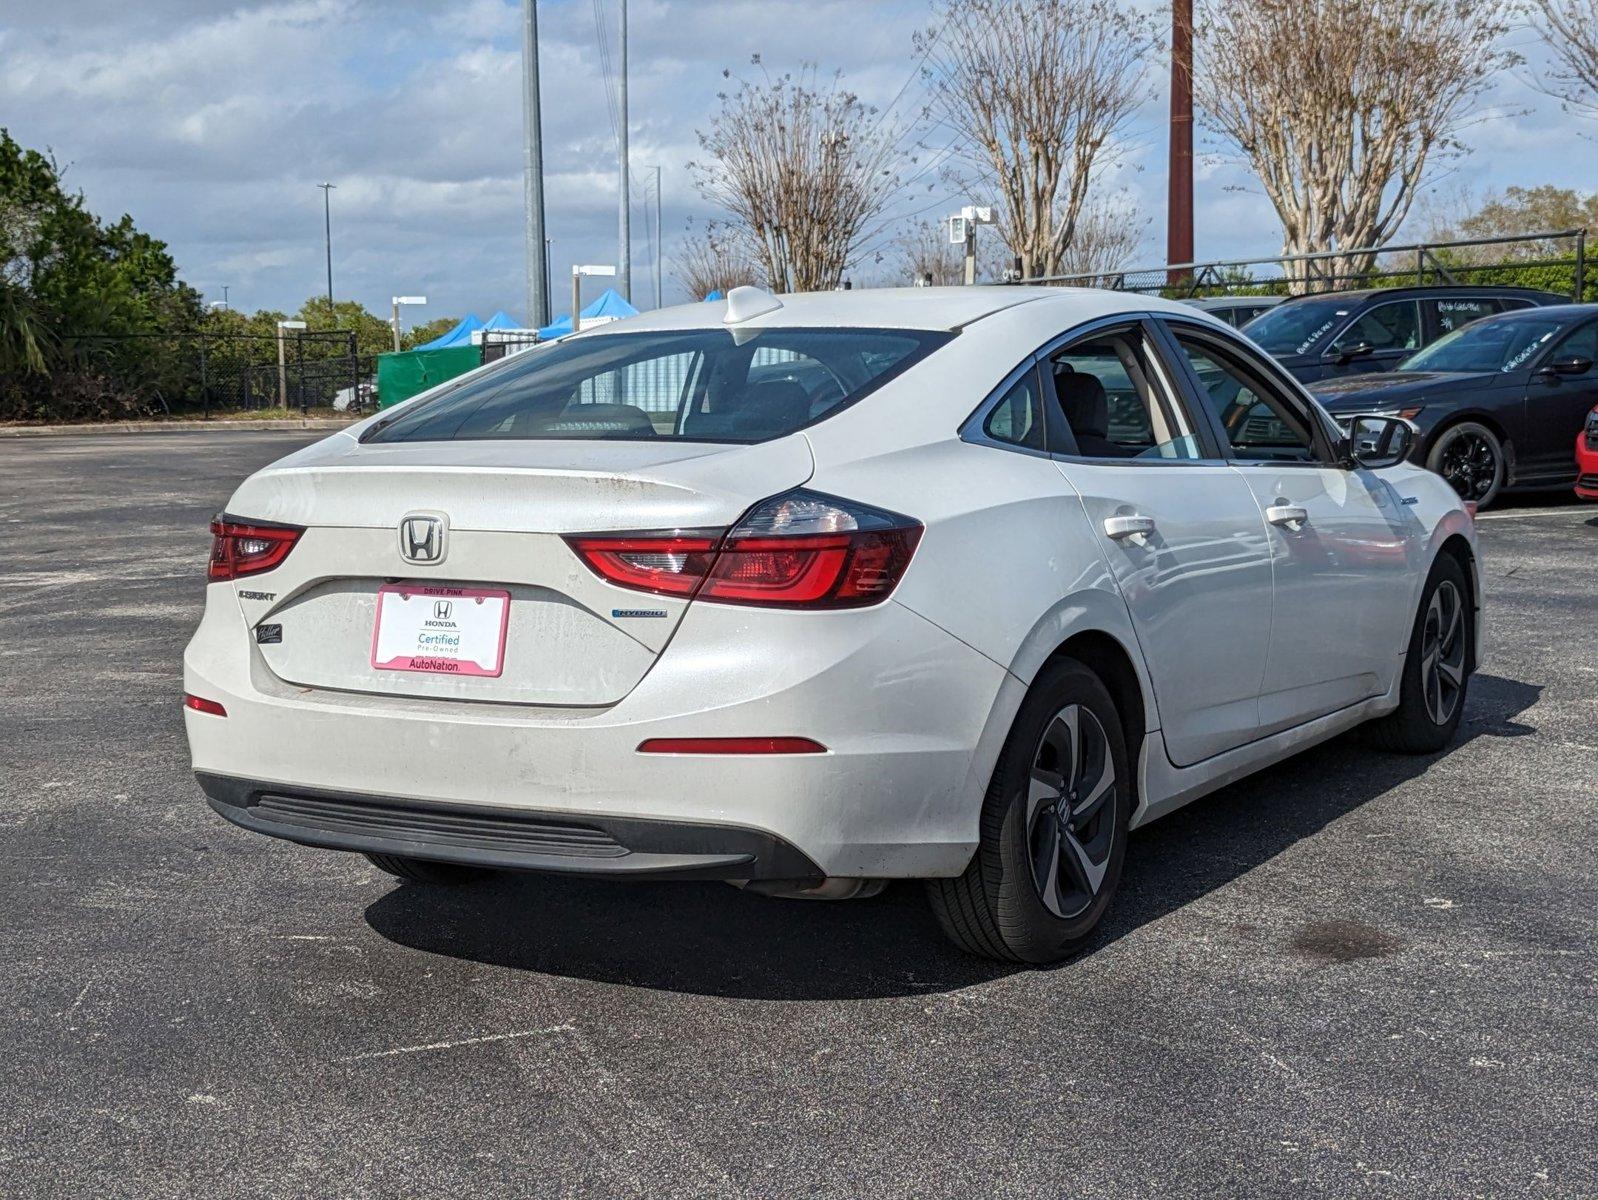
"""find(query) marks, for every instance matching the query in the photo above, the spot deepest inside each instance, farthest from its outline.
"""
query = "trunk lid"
(570, 638)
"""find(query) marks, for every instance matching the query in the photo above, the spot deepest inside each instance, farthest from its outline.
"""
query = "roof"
(904, 308)
(1557, 311)
(1425, 289)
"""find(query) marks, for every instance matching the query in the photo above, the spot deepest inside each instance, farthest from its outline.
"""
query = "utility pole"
(224, 295)
(624, 248)
(1179, 202)
(537, 246)
(657, 237)
(327, 220)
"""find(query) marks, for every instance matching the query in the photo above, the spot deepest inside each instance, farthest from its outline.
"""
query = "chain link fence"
(1555, 261)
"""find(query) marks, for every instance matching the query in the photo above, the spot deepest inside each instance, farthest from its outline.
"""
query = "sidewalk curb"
(33, 431)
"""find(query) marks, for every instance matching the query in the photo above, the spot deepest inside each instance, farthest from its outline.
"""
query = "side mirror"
(1569, 364)
(1357, 350)
(1377, 442)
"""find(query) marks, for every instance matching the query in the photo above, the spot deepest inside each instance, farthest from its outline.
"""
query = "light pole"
(624, 248)
(657, 237)
(327, 222)
(963, 232)
(537, 245)
(399, 300)
(577, 288)
(282, 366)
(224, 295)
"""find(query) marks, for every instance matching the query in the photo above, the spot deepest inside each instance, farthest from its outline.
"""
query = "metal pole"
(970, 253)
(205, 383)
(355, 373)
(624, 235)
(658, 300)
(327, 221)
(299, 365)
(549, 280)
(396, 327)
(1179, 203)
(282, 373)
(577, 297)
(1581, 265)
(537, 245)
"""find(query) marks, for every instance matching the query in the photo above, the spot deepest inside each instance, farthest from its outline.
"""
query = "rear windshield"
(701, 385)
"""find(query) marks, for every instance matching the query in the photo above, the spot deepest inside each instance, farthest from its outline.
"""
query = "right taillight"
(801, 550)
(238, 549)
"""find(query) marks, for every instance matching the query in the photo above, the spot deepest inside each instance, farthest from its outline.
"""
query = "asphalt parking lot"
(1353, 975)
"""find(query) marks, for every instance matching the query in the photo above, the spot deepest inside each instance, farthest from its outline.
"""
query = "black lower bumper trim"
(505, 839)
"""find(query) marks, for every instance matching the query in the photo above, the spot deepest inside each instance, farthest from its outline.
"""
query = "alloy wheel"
(1470, 464)
(1070, 818)
(1442, 662)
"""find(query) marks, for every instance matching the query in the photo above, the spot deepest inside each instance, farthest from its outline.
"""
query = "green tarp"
(401, 376)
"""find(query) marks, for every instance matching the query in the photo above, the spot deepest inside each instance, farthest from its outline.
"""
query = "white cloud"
(213, 125)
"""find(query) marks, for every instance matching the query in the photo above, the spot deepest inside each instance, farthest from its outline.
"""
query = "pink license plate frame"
(439, 664)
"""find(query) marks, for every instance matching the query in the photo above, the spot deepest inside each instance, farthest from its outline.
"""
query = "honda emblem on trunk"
(422, 537)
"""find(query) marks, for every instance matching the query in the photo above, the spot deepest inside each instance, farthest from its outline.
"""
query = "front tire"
(423, 870)
(1471, 458)
(1054, 827)
(1436, 667)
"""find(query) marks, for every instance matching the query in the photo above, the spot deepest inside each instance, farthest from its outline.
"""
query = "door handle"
(1135, 526)
(1294, 516)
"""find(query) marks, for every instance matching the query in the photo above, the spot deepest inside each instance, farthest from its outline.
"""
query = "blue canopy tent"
(461, 335)
(502, 320)
(610, 305)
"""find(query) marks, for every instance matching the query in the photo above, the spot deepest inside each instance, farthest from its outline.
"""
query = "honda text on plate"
(817, 592)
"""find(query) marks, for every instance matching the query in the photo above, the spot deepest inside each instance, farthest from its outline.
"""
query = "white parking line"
(1585, 513)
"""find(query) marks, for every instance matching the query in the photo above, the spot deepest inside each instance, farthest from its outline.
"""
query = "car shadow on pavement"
(710, 939)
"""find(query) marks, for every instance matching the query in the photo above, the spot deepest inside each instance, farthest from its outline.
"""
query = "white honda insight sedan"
(813, 592)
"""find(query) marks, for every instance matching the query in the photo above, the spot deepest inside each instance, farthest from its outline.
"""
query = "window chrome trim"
(1271, 373)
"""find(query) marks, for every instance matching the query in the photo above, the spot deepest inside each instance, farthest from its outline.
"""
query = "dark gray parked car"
(1350, 333)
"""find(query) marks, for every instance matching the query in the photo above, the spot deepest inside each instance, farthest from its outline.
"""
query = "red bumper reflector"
(731, 745)
(200, 704)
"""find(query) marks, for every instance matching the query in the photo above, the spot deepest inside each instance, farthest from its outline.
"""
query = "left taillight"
(239, 549)
(800, 550)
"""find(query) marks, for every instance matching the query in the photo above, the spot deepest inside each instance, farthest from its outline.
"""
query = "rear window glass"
(702, 385)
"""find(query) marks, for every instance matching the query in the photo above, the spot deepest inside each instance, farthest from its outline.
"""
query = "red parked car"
(1587, 458)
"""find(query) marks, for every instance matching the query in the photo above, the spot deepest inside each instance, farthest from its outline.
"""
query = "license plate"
(440, 630)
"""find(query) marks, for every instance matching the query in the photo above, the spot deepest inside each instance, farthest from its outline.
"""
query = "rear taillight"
(802, 550)
(238, 550)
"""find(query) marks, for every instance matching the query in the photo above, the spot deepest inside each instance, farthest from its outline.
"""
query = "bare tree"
(713, 259)
(1036, 92)
(1108, 232)
(1570, 27)
(804, 171)
(1340, 106)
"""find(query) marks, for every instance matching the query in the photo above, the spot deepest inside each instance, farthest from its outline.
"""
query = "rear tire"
(1436, 667)
(1053, 830)
(1472, 459)
(422, 870)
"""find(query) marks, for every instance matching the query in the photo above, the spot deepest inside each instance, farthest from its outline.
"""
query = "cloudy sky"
(212, 124)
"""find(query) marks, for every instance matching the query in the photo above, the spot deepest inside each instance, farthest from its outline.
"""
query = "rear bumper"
(509, 841)
(903, 709)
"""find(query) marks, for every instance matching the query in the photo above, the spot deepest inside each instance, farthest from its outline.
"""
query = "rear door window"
(684, 385)
(1446, 315)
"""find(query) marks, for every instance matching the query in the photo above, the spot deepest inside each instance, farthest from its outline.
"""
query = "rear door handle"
(1294, 516)
(1116, 528)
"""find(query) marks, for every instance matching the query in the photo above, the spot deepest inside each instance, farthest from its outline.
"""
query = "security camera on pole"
(963, 232)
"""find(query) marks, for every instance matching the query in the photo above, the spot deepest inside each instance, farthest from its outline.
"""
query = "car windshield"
(700, 385)
(1494, 344)
(1299, 326)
